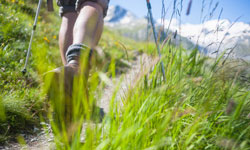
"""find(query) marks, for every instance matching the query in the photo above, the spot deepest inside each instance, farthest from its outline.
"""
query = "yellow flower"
(46, 39)
(117, 44)
(54, 37)
(21, 2)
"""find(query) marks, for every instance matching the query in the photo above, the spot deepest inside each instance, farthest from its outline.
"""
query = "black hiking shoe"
(60, 94)
(97, 114)
(68, 87)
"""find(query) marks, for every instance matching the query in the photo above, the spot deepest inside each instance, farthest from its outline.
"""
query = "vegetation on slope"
(197, 107)
(194, 109)
(22, 100)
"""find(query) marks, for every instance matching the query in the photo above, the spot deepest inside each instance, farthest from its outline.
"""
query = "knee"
(97, 6)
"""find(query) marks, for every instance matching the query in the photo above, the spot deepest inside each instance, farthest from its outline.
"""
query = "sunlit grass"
(198, 106)
(191, 110)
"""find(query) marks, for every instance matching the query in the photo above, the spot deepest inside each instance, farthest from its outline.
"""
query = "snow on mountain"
(210, 37)
(217, 35)
(119, 15)
(127, 23)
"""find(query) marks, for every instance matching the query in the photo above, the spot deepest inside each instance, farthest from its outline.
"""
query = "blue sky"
(232, 9)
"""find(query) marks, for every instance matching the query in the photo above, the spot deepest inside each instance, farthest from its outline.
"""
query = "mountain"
(126, 23)
(118, 15)
(218, 35)
(212, 37)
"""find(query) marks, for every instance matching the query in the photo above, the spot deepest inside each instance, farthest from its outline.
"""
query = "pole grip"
(148, 4)
(50, 5)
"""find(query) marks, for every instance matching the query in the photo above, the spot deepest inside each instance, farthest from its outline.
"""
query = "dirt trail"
(44, 141)
(127, 80)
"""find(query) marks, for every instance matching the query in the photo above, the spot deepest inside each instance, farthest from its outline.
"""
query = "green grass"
(195, 108)
(191, 110)
(22, 99)
(198, 106)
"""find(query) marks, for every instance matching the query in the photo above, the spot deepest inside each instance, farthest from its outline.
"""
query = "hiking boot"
(60, 91)
(60, 94)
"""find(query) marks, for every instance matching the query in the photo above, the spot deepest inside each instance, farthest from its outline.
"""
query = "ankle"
(73, 53)
(74, 62)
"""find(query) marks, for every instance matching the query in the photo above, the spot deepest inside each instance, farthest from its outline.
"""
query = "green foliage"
(197, 107)
(191, 110)
(22, 99)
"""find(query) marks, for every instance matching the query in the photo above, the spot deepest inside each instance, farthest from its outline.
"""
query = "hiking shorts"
(74, 5)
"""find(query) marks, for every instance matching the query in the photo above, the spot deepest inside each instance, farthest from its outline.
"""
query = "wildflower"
(117, 44)
(46, 39)
(21, 3)
(54, 37)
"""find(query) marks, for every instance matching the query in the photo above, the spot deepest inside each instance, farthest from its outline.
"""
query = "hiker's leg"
(89, 24)
(69, 14)
(88, 27)
(66, 33)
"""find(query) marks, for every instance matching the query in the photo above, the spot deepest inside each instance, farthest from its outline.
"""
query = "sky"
(232, 9)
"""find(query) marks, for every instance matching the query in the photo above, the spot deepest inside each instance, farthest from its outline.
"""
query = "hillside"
(22, 100)
(212, 37)
(203, 103)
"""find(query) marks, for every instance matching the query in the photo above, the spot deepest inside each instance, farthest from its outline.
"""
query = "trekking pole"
(31, 38)
(155, 37)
